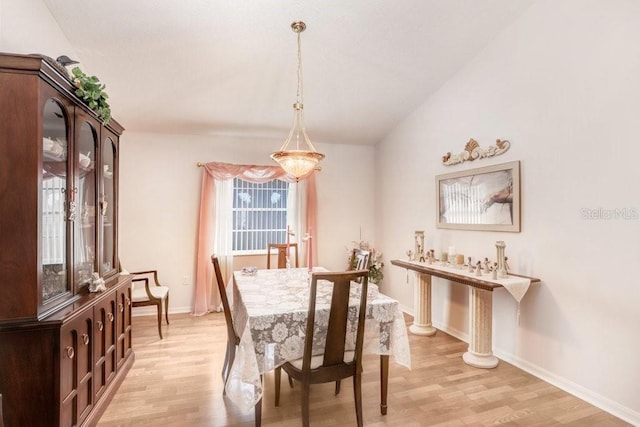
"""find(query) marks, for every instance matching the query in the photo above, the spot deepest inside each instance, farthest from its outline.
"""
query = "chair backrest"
(359, 260)
(338, 317)
(282, 254)
(143, 278)
(231, 333)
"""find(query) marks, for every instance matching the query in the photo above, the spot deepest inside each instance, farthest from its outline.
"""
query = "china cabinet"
(64, 350)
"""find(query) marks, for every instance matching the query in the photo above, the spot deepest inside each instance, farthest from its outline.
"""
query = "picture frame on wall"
(486, 198)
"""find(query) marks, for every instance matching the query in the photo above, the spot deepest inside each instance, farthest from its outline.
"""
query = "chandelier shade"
(302, 159)
(297, 162)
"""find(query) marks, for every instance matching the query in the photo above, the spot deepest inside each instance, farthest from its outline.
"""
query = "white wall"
(562, 84)
(160, 196)
(26, 26)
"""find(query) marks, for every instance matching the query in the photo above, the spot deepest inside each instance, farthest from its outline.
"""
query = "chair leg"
(166, 308)
(232, 358)
(226, 362)
(357, 395)
(224, 372)
(290, 381)
(160, 319)
(305, 403)
(258, 410)
(337, 387)
(277, 381)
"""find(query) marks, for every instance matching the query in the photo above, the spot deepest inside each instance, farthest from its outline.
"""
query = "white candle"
(452, 250)
(288, 236)
(310, 250)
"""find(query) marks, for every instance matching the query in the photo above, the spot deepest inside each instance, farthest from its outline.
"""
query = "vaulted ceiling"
(228, 67)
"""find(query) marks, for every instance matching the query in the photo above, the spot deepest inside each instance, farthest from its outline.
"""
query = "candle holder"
(419, 244)
(444, 259)
(502, 268)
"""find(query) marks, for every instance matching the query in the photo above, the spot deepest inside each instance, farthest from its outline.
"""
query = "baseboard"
(595, 399)
(152, 311)
(462, 336)
(602, 402)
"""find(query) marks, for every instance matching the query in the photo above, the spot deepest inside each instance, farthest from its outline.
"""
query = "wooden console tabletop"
(480, 352)
(459, 278)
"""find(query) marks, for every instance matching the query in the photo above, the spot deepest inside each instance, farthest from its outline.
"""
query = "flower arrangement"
(375, 260)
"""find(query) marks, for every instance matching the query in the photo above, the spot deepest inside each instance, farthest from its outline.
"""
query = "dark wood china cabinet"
(63, 350)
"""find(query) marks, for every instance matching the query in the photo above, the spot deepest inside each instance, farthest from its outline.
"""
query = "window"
(259, 215)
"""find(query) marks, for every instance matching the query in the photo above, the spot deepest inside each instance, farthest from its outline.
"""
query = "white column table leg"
(422, 306)
(480, 353)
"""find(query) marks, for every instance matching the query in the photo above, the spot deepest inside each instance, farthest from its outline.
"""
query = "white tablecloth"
(270, 314)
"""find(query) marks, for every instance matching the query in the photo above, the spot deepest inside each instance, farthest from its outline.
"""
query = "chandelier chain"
(299, 94)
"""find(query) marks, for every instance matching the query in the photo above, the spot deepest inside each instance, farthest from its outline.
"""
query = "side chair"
(335, 362)
(233, 340)
(359, 259)
(282, 254)
(152, 293)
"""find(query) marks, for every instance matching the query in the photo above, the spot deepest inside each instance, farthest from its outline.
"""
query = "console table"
(480, 352)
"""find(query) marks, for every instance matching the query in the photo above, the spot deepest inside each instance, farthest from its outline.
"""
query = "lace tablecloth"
(270, 315)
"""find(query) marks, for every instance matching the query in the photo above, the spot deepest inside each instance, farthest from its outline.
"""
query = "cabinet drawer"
(124, 323)
(76, 373)
(104, 344)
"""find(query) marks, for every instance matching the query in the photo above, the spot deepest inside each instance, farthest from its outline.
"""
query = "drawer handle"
(128, 301)
(121, 307)
(70, 352)
(85, 339)
(110, 317)
(100, 325)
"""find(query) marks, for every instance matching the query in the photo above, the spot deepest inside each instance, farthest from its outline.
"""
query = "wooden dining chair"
(233, 340)
(335, 362)
(359, 260)
(152, 293)
(282, 254)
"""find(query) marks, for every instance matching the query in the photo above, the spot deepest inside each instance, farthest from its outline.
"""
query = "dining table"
(270, 310)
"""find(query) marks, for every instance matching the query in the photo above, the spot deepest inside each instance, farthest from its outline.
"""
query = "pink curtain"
(206, 295)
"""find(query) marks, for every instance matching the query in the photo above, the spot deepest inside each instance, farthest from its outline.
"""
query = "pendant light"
(302, 159)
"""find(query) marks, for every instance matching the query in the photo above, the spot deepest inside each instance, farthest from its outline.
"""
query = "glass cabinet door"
(85, 223)
(107, 206)
(58, 204)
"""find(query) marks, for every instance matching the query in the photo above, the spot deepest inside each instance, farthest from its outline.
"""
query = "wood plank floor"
(176, 382)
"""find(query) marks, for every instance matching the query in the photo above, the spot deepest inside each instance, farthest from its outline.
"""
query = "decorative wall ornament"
(473, 151)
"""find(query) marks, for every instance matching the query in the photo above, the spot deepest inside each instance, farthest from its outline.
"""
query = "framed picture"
(485, 198)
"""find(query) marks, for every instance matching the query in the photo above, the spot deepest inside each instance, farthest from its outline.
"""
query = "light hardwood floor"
(176, 382)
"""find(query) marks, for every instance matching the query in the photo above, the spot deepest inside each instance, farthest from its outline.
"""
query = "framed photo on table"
(485, 198)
